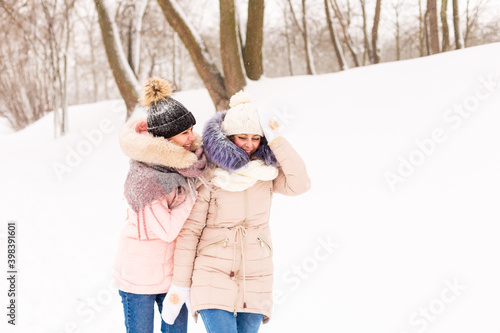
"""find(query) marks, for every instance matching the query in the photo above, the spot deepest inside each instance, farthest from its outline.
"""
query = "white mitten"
(173, 302)
(269, 124)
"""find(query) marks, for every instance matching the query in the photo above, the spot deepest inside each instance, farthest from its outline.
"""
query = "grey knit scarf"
(146, 183)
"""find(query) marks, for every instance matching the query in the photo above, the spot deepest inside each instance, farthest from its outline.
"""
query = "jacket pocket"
(144, 262)
(222, 242)
(265, 245)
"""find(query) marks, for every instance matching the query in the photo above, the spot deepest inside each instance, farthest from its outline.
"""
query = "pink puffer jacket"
(144, 262)
(145, 266)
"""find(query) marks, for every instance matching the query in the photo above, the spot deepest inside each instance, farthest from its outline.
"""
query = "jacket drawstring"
(240, 232)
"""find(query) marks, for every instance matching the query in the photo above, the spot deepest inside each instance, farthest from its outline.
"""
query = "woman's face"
(184, 139)
(248, 142)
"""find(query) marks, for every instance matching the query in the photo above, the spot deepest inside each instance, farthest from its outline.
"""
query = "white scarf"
(245, 177)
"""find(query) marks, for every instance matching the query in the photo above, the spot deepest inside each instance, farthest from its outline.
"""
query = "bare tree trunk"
(472, 19)
(90, 26)
(335, 40)
(376, 20)
(287, 38)
(106, 86)
(64, 78)
(77, 84)
(95, 78)
(397, 8)
(467, 23)
(444, 22)
(124, 76)
(205, 66)
(421, 27)
(347, 37)
(59, 46)
(229, 49)
(366, 40)
(459, 42)
(427, 34)
(252, 54)
(433, 26)
(240, 29)
(135, 35)
(311, 70)
(305, 36)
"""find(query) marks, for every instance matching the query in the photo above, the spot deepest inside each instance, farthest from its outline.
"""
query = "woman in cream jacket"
(223, 266)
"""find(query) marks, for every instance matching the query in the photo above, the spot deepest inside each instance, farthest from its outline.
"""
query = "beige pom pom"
(240, 97)
(154, 90)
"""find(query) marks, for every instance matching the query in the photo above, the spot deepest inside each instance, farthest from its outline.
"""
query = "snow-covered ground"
(398, 234)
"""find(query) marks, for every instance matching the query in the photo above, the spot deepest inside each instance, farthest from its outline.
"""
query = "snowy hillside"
(400, 232)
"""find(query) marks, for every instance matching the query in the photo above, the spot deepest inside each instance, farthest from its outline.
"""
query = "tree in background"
(122, 71)
(23, 95)
(53, 54)
(422, 31)
(444, 23)
(220, 87)
(335, 39)
(472, 17)
(305, 36)
(397, 6)
(433, 26)
(134, 33)
(376, 20)
(345, 21)
(366, 40)
(201, 57)
(36, 73)
(229, 48)
(252, 50)
(459, 41)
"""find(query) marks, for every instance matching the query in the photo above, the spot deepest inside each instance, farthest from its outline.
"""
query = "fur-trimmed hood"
(142, 146)
(224, 153)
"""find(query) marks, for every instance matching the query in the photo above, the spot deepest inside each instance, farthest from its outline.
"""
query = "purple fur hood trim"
(224, 153)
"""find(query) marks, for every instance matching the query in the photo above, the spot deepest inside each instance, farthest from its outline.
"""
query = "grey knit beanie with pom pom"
(166, 116)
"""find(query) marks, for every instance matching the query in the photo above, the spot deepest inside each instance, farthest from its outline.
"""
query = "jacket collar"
(142, 146)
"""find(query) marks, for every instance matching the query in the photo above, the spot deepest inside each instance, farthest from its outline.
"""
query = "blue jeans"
(220, 321)
(139, 314)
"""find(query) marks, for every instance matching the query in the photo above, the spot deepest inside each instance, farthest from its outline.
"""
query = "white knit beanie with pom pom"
(242, 117)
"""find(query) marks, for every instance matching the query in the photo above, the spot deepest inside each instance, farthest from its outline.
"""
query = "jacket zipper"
(217, 206)
(225, 241)
(246, 207)
(262, 243)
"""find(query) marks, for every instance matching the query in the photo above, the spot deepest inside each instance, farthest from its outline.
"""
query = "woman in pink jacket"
(223, 259)
(166, 158)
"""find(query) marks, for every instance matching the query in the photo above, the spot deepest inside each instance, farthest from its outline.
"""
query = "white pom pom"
(240, 97)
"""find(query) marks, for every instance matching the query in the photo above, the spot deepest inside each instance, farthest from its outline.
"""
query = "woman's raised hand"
(269, 124)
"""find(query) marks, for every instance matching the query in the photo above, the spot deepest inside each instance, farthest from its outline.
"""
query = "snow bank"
(398, 234)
